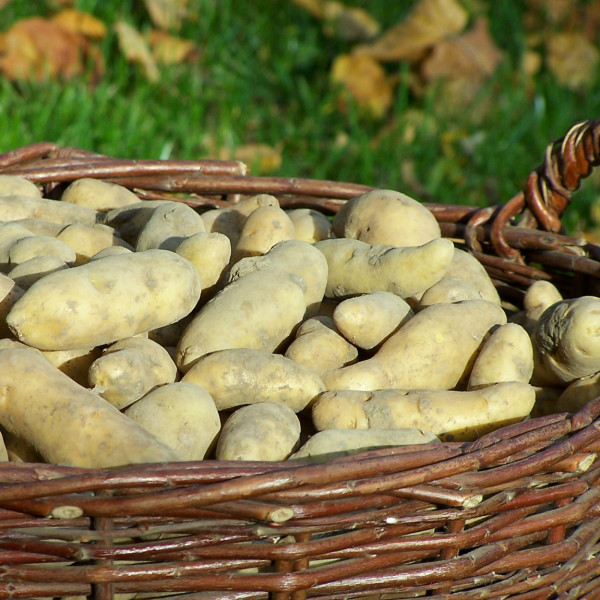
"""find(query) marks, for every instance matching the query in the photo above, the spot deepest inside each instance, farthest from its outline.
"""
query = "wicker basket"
(515, 514)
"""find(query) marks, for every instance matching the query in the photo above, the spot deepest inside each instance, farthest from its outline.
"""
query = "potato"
(435, 349)
(319, 346)
(259, 310)
(182, 415)
(538, 297)
(28, 272)
(264, 431)
(448, 289)
(11, 185)
(40, 226)
(263, 228)
(105, 300)
(39, 245)
(229, 220)
(291, 258)
(578, 393)
(66, 423)
(367, 320)
(88, 240)
(309, 225)
(168, 226)
(110, 251)
(9, 234)
(129, 369)
(210, 254)
(507, 355)
(74, 363)
(451, 415)
(333, 443)
(10, 292)
(99, 195)
(359, 268)
(566, 341)
(169, 335)
(247, 376)
(128, 220)
(18, 450)
(13, 208)
(386, 217)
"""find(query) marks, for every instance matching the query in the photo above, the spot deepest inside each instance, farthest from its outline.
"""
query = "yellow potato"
(264, 431)
(247, 376)
(319, 346)
(129, 369)
(578, 393)
(28, 272)
(128, 220)
(40, 246)
(538, 297)
(356, 267)
(259, 310)
(10, 292)
(447, 414)
(448, 289)
(386, 217)
(18, 450)
(367, 320)
(507, 355)
(182, 415)
(74, 363)
(13, 208)
(105, 300)
(9, 234)
(99, 195)
(66, 423)
(435, 349)
(88, 240)
(310, 225)
(40, 226)
(11, 185)
(110, 251)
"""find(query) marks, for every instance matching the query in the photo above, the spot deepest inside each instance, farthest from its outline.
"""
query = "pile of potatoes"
(141, 331)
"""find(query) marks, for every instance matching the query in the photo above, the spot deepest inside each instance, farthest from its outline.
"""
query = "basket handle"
(548, 190)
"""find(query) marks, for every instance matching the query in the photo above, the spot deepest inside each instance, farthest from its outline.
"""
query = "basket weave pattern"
(515, 514)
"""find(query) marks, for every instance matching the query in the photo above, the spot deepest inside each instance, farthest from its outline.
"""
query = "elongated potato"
(27, 273)
(356, 267)
(566, 341)
(129, 369)
(333, 443)
(105, 300)
(309, 225)
(110, 251)
(319, 346)
(88, 240)
(66, 423)
(435, 349)
(39, 246)
(295, 258)
(259, 310)
(262, 229)
(386, 217)
(11, 185)
(99, 195)
(23, 207)
(367, 320)
(10, 292)
(9, 234)
(39, 226)
(507, 355)
(128, 220)
(182, 415)
(451, 415)
(264, 431)
(448, 289)
(246, 376)
(168, 226)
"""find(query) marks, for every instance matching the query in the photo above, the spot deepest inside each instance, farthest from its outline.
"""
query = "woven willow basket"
(515, 514)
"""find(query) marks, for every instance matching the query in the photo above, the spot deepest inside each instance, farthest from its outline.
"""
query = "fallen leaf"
(314, 7)
(39, 49)
(348, 23)
(167, 14)
(136, 49)
(170, 50)
(82, 23)
(429, 22)
(261, 158)
(572, 60)
(365, 80)
(473, 55)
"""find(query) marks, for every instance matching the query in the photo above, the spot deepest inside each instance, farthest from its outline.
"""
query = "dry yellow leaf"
(365, 80)
(572, 60)
(429, 22)
(261, 158)
(348, 23)
(82, 23)
(167, 14)
(314, 7)
(135, 48)
(170, 50)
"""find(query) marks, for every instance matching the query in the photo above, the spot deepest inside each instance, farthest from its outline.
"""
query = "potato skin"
(11, 185)
(263, 431)
(105, 300)
(247, 376)
(97, 194)
(66, 423)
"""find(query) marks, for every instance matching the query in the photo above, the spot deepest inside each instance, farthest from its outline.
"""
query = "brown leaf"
(473, 55)
(348, 23)
(365, 80)
(82, 23)
(170, 50)
(167, 14)
(39, 49)
(572, 60)
(136, 50)
(429, 22)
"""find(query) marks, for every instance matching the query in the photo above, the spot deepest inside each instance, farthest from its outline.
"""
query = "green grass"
(263, 78)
